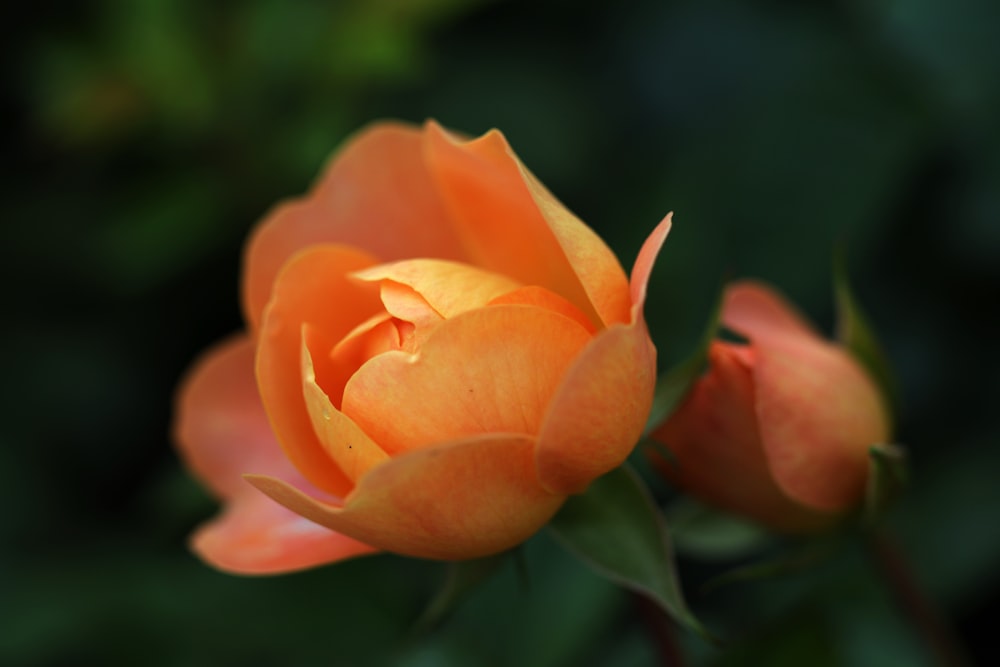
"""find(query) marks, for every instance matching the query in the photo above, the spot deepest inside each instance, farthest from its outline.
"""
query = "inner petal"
(490, 370)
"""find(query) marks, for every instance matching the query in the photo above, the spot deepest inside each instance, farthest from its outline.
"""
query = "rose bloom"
(437, 353)
(779, 427)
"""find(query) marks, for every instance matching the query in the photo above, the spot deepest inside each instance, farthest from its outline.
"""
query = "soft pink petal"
(757, 312)
(451, 502)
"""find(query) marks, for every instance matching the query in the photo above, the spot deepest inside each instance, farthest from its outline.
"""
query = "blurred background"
(144, 138)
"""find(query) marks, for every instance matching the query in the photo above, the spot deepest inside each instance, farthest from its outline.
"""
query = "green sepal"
(858, 337)
(617, 529)
(462, 578)
(886, 479)
(673, 386)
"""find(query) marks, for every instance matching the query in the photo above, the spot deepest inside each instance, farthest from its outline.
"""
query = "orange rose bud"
(438, 353)
(778, 429)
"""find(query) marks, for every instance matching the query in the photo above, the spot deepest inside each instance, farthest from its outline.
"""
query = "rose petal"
(343, 441)
(449, 288)
(533, 295)
(376, 193)
(256, 535)
(313, 289)
(452, 502)
(818, 416)
(492, 370)
(714, 436)
(510, 224)
(603, 402)
(221, 428)
(757, 312)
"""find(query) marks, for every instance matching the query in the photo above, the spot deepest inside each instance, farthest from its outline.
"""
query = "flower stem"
(913, 603)
(660, 630)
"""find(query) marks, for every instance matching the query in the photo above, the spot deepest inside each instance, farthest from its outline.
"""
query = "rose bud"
(779, 428)
(437, 353)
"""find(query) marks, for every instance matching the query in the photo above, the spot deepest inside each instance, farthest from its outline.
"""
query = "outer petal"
(718, 454)
(463, 500)
(376, 194)
(223, 432)
(256, 535)
(313, 290)
(603, 402)
(510, 224)
(817, 409)
(491, 370)
(818, 416)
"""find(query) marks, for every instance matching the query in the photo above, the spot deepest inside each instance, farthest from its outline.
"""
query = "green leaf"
(886, 480)
(706, 533)
(857, 335)
(791, 561)
(463, 577)
(674, 385)
(617, 529)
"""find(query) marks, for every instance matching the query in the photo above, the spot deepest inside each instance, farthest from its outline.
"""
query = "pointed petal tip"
(644, 261)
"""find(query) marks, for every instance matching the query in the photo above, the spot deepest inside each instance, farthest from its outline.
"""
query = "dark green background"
(145, 137)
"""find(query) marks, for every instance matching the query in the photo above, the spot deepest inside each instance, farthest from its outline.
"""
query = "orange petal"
(256, 535)
(313, 289)
(718, 455)
(510, 224)
(449, 288)
(376, 193)
(602, 405)
(818, 415)
(533, 295)
(343, 441)
(457, 501)
(492, 370)
(757, 312)
(221, 428)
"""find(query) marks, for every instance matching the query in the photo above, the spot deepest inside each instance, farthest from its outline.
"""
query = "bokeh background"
(144, 138)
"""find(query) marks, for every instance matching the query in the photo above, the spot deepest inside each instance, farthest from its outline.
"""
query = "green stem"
(660, 630)
(913, 603)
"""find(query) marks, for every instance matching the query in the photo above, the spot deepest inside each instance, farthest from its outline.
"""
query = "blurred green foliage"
(145, 137)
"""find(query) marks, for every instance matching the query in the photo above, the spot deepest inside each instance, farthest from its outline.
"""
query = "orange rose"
(443, 353)
(779, 428)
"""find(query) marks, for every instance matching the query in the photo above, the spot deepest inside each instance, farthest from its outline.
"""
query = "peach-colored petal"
(221, 428)
(718, 452)
(448, 287)
(508, 224)
(313, 290)
(256, 535)
(757, 312)
(345, 443)
(492, 370)
(602, 405)
(534, 295)
(376, 193)
(457, 501)
(818, 416)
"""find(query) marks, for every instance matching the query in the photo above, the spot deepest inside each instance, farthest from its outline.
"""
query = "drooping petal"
(818, 415)
(312, 290)
(221, 428)
(492, 370)
(716, 443)
(457, 501)
(376, 194)
(510, 224)
(602, 404)
(223, 432)
(256, 535)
